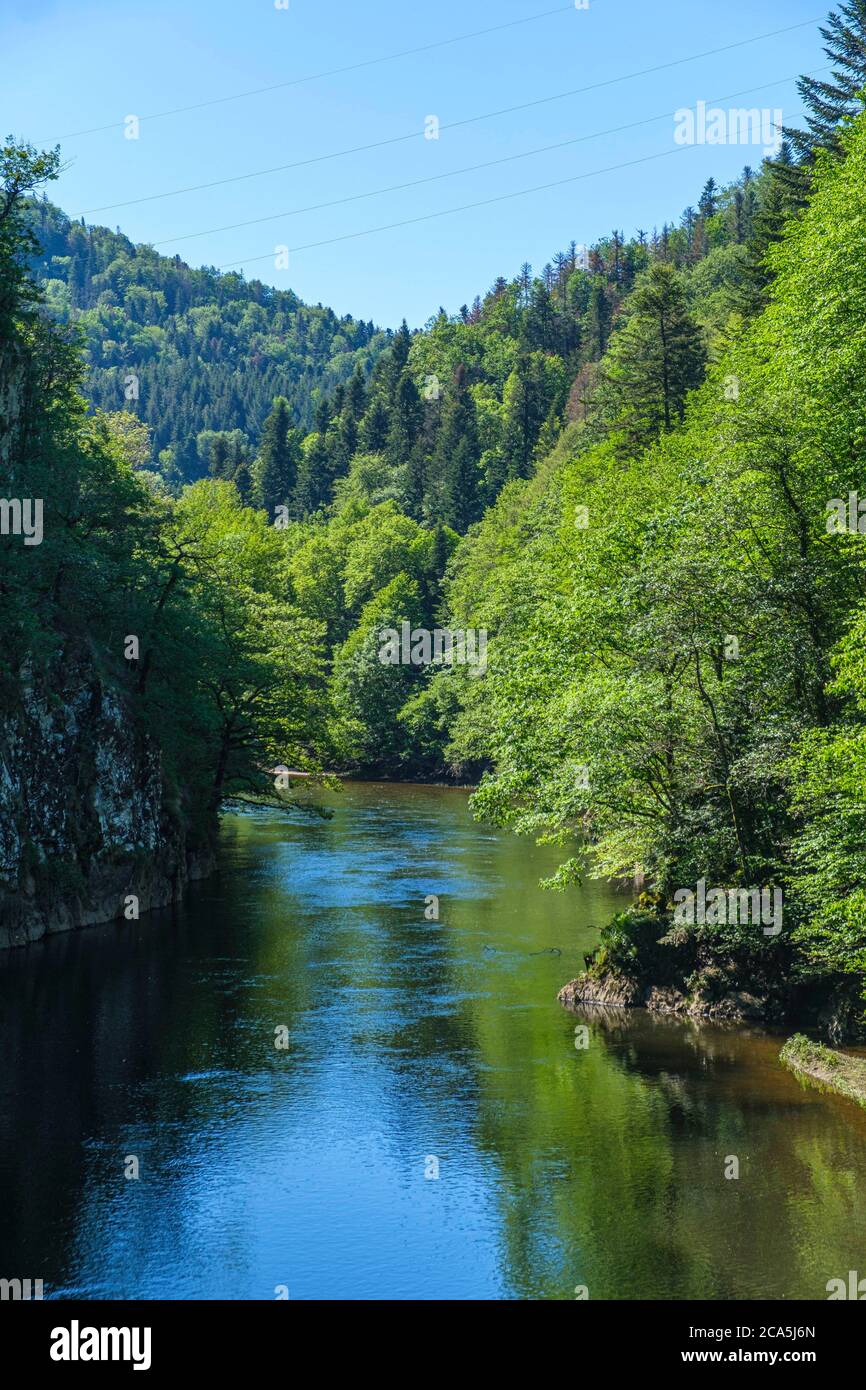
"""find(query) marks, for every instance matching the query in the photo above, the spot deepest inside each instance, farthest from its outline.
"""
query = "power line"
(450, 125)
(317, 76)
(464, 207)
(470, 168)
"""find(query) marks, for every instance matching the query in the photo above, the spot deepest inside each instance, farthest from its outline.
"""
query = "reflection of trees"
(92, 1020)
(613, 1167)
(607, 1165)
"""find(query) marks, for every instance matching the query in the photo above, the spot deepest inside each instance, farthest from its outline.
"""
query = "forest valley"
(564, 465)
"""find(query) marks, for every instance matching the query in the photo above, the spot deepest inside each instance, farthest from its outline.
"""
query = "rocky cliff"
(87, 830)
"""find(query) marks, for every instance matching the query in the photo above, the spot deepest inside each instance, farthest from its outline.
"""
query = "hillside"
(199, 358)
(209, 350)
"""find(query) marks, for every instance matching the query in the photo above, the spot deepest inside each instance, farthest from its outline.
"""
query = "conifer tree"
(219, 456)
(783, 193)
(527, 403)
(398, 356)
(373, 430)
(457, 454)
(709, 199)
(356, 394)
(655, 359)
(829, 103)
(277, 464)
(314, 482)
(244, 483)
(406, 416)
(597, 321)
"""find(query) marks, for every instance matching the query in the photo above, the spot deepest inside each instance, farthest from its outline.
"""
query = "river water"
(415, 1047)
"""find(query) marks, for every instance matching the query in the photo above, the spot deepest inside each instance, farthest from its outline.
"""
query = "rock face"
(610, 990)
(83, 818)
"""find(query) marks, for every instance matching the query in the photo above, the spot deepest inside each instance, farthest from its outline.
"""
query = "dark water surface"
(409, 1040)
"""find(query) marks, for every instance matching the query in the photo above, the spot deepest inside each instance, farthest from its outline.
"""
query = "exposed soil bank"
(825, 1068)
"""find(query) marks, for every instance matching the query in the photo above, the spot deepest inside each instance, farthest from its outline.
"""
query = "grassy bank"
(826, 1068)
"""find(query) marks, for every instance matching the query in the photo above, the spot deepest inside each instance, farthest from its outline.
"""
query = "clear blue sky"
(68, 68)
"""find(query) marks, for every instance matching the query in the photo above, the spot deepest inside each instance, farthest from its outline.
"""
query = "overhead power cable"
(318, 76)
(464, 207)
(467, 169)
(448, 125)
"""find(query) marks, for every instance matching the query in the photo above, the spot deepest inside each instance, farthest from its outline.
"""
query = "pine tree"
(597, 322)
(406, 416)
(831, 103)
(526, 404)
(373, 430)
(323, 415)
(244, 483)
(538, 329)
(277, 464)
(398, 356)
(784, 193)
(708, 202)
(655, 359)
(218, 460)
(457, 454)
(314, 482)
(356, 394)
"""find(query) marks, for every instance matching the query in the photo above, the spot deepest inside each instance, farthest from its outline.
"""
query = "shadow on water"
(413, 1044)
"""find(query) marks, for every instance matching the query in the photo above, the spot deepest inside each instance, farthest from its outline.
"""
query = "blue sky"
(70, 68)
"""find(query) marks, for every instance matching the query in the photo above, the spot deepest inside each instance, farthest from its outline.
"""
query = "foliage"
(666, 623)
(227, 678)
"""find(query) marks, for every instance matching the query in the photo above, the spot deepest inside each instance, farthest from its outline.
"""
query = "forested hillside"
(636, 473)
(200, 357)
(677, 661)
(408, 454)
(188, 350)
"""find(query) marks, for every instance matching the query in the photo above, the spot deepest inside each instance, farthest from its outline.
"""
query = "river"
(433, 1127)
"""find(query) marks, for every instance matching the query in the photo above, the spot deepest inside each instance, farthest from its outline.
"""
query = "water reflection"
(408, 1039)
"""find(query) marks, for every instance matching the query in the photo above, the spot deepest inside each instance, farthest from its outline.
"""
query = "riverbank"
(645, 961)
(826, 1068)
(835, 1015)
(89, 830)
(619, 991)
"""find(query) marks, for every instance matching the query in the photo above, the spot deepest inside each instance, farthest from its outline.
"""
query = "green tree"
(831, 104)
(276, 468)
(655, 359)
(406, 416)
(457, 456)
